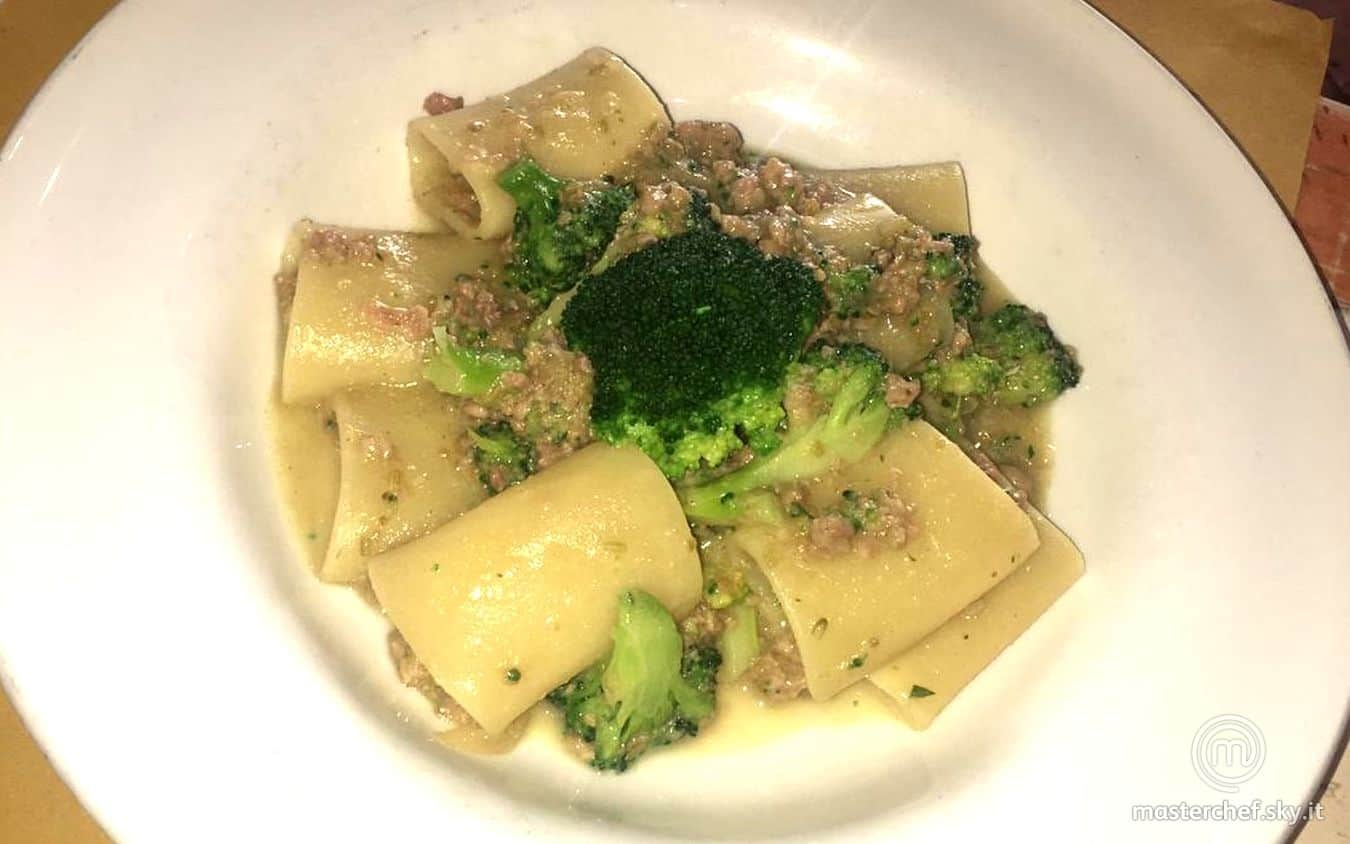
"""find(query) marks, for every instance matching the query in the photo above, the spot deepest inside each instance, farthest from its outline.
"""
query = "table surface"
(1255, 64)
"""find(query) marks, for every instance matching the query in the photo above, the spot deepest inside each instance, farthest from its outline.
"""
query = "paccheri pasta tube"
(363, 301)
(519, 594)
(581, 121)
(928, 676)
(854, 611)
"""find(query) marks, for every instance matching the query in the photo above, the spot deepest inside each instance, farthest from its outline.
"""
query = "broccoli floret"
(463, 370)
(947, 264)
(1015, 359)
(847, 290)
(553, 247)
(502, 457)
(698, 668)
(972, 375)
(958, 265)
(1036, 365)
(649, 692)
(690, 340)
(849, 381)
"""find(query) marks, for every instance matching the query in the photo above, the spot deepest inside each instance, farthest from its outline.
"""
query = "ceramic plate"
(193, 682)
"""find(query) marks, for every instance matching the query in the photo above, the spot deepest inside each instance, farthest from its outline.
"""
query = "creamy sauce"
(743, 721)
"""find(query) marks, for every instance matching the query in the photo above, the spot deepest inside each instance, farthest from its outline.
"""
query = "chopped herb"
(1031, 452)
(919, 691)
(513, 675)
(857, 661)
(311, 536)
(390, 497)
(435, 567)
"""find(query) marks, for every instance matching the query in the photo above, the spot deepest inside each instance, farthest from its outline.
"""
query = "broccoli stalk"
(1015, 359)
(464, 371)
(739, 642)
(850, 379)
(649, 692)
(553, 246)
(690, 340)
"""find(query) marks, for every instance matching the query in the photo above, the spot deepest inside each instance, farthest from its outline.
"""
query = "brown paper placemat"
(1256, 64)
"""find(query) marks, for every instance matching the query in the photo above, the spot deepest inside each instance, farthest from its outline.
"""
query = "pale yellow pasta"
(404, 473)
(937, 195)
(304, 442)
(950, 657)
(853, 611)
(580, 121)
(362, 301)
(932, 195)
(521, 593)
(471, 738)
(856, 227)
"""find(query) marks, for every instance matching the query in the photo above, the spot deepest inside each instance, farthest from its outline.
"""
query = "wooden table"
(1256, 65)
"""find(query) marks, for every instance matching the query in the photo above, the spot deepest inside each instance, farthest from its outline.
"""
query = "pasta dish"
(647, 415)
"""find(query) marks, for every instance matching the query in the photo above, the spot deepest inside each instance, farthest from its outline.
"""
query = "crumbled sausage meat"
(777, 673)
(486, 311)
(438, 103)
(703, 625)
(413, 674)
(547, 402)
(413, 323)
(709, 140)
(831, 533)
(900, 391)
(335, 245)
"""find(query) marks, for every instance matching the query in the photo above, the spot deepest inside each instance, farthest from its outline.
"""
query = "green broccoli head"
(958, 265)
(690, 340)
(649, 692)
(847, 290)
(971, 375)
(848, 382)
(1036, 365)
(502, 457)
(1015, 359)
(552, 246)
(461, 370)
